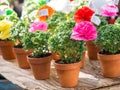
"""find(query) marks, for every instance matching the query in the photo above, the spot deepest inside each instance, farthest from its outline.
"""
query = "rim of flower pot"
(6, 43)
(67, 66)
(21, 50)
(39, 60)
(100, 55)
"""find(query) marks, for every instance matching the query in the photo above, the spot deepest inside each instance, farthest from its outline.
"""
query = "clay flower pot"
(21, 56)
(82, 60)
(92, 50)
(55, 56)
(40, 67)
(68, 74)
(0, 52)
(110, 65)
(7, 50)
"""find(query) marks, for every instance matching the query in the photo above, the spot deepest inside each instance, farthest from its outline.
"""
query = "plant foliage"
(37, 41)
(109, 38)
(60, 43)
(53, 21)
(18, 31)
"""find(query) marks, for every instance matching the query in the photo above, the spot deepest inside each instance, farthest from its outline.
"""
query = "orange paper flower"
(44, 12)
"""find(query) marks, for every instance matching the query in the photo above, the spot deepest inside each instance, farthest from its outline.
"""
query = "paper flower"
(84, 31)
(5, 29)
(109, 10)
(44, 12)
(63, 6)
(83, 14)
(42, 26)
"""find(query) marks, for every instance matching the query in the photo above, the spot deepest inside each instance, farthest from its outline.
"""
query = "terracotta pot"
(40, 67)
(55, 56)
(110, 65)
(83, 60)
(0, 52)
(92, 50)
(68, 74)
(7, 50)
(21, 56)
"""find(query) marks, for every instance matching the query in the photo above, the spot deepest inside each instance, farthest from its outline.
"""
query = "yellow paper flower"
(5, 29)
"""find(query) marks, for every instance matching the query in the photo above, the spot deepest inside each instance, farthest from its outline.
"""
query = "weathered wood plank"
(90, 77)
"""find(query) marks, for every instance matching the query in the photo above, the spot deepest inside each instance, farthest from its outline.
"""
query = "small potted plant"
(6, 44)
(53, 22)
(37, 40)
(107, 15)
(70, 47)
(109, 44)
(17, 33)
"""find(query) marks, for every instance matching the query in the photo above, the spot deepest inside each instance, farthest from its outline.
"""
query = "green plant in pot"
(37, 40)
(54, 20)
(109, 55)
(17, 33)
(104, 17)
(6, 45)
(70, 47)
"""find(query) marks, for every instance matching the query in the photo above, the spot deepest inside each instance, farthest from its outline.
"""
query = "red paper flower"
(83, 14)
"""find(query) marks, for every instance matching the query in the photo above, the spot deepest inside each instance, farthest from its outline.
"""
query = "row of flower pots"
(41, 66)
(65, 37)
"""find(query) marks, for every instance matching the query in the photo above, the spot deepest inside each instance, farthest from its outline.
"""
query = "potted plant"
(6, 44)
(8, 15)
(53, 22)
(37, 39)
(70, 47)
(107, 15)
(17, 33)
(109, 55)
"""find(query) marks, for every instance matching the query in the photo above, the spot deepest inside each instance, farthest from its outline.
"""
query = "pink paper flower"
(42, 26)
(109, 10)
(84, 31)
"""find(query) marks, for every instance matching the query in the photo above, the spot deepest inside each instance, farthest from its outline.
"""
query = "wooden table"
(90, 77)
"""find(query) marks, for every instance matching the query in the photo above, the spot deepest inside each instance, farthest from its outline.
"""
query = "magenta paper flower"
(42, 26)
(109, 10)
(84, 31)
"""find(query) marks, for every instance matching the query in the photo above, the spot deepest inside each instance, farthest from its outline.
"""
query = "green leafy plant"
(109, 39)
(117, 20)
(37, 41)
(60, 43)
(56, 19)
(17, 32)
